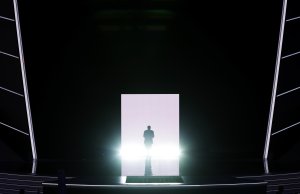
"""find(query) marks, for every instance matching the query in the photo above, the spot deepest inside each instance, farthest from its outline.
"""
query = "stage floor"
(190, 184)
(210, 176)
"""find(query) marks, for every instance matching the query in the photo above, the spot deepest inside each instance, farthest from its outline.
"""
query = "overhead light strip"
(286, 128)
(6, 18)
(11, 91)
(6, 125)
(290, 55)
(291, 19)
(4, 53)
(288, 91)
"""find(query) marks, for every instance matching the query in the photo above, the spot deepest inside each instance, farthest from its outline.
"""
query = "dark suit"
(148, 135)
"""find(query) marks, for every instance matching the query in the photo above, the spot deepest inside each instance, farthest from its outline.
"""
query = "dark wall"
(218, 55)
(285, 142)
(14, 131)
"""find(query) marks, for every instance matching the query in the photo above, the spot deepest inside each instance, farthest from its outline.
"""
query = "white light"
(137, 152)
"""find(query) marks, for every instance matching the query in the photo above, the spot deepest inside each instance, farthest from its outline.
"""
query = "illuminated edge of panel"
(25, 86)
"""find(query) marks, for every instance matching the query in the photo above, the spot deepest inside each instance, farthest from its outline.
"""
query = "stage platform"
(210, 177)
(190, 184)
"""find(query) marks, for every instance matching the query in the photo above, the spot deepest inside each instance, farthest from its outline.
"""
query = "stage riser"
(290, 182)
(257, 189)
(13, 183)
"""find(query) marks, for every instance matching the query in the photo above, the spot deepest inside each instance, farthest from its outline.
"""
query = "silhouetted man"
(148, 135)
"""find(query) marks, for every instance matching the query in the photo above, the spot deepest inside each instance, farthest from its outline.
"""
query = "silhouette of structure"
(148, 141)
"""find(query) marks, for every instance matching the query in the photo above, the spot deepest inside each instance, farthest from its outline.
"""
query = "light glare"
(137, 152)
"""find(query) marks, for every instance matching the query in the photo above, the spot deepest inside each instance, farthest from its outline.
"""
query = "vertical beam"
(276, 74)
(266, 166)
(34, 166)
(26, 95)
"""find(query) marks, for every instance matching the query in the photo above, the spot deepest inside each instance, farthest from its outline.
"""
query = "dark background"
(218, 55)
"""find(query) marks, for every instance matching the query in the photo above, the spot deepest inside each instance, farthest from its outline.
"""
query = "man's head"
(148, 127)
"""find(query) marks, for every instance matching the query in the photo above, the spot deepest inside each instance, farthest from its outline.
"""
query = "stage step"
(286, 183)
(189, 184)
(30, 183)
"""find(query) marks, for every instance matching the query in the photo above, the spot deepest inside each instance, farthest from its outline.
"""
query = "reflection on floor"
(150, 167)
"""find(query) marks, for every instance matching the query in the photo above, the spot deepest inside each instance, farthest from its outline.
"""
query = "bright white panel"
(161, 112)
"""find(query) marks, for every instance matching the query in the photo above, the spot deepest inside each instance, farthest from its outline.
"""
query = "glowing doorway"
(161, 113)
